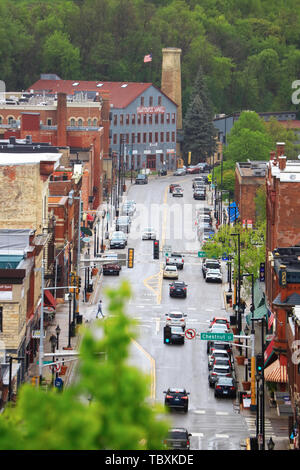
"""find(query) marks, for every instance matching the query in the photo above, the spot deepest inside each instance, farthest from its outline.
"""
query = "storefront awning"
(49, 300)
(277, 371)
(233, 211)
(268, 352)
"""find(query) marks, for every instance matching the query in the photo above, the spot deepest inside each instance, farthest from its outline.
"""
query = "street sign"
(201, 254)
(216, 336)
(190, 333)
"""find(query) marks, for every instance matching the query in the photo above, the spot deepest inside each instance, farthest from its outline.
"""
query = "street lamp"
(53, 341)
(57, 329)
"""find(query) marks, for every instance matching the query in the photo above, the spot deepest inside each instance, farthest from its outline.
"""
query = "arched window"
(89, 122)
(1, 120)
(95, 122)
(72, 122)
(10, 119)
(80, 122)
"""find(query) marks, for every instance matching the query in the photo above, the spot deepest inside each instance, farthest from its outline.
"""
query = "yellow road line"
(152, 369)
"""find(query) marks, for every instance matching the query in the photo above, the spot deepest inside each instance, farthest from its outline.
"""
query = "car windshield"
(175, 315)
(221, 369)
(177, 390)
(177, 435)
(149, 229)
(179, 284)
(171, 268)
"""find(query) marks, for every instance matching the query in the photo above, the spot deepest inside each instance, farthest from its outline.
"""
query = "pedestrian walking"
(99, 311)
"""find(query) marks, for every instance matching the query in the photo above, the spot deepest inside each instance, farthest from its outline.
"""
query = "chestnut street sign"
(216, 336)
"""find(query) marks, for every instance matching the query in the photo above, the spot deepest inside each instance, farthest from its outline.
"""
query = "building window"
(167, 136)
(138, 137)
(115, 139)
(133, 138)
(127, 138)
(10, 119)
(168, 118)
(1, 120)
(115, 119)
(159, 100)
(150, 119)
(121, 119)
(121, 139)
(95, 122)
(133, 119)
(142, 101)
(156, 118)
(173, 136)
(173, 118)
(144, 137)
(150, 137)
(79, 122)
(161, 136)
(219, 156)
(89, 122)
(139, 119)
(150, 100)
(127, 119)
(138, 161)
(145, 118)
(49, 122)
(162, 118)
(72, 122)
(156, 136)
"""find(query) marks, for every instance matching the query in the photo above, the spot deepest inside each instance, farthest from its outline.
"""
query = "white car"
(148, 234)
(170, 272)
(176, 318)
(213, 275)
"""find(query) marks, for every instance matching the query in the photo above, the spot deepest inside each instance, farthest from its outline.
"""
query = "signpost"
(190, 333)
(216, 336)
(201, 254)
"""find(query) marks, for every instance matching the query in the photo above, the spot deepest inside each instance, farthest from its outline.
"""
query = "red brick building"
(249, 177)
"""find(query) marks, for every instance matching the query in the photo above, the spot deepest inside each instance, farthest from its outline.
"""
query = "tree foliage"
(118, 415)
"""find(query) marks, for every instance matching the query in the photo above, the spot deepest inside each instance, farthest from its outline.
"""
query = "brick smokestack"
(282, 162)
(61, 119)
(171, 78)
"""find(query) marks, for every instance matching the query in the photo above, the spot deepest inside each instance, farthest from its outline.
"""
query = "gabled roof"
(121, 93)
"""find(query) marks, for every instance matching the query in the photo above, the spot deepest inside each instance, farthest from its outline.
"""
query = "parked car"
(176, 318)
(141, 179)
(177, 398)
(218, 328)
(172, 186)
(178, 289)
(225, 387)
(198, 179)
(199, 195)
(218, 345)
(213, 275)
(162, 172)
(118, 240)
(192, 169)
(178, 438)
(177, 335)
(128, 209)
(149, 234)
(220, 371)
(222, 320)
(175, 259)
(210, 264)
(111, 268)
(170, 272)
(179, 172)
(177, 192)
(221, 361)
(123, 223)
(218, 353)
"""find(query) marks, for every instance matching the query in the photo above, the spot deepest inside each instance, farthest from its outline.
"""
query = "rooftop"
(252, 168)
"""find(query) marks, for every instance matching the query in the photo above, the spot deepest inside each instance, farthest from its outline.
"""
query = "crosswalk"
(273, 428)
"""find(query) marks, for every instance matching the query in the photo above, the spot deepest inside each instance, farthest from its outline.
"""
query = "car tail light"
(184, 398)
(218, 387)
(172, 287)
(184, 288)
(228, 375)
(169, 396)
(182, 319)
(182, 260)
(187, 443)
(167, 259)
(232, 388)
(214, 373)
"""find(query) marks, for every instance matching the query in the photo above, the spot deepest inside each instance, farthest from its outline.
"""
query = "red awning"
(268, 352)
(49, 300)
(277, 371)
(90, 217)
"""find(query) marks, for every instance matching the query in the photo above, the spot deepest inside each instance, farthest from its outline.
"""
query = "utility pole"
(41, 348)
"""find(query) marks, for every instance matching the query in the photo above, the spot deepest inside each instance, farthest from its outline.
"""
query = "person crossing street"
(99, 311)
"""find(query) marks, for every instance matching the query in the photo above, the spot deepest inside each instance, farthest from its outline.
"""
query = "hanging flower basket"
(240, 360)
(94, 271)
(246, 385)
(63, 370)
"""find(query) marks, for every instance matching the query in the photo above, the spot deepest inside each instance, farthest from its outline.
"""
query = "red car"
(172, 186)
(193, 169)
(111, 268)
(221, 320)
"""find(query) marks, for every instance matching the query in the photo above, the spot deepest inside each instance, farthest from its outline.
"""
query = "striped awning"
(277, 371)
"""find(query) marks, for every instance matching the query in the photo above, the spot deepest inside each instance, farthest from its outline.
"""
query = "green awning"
(259, 296)
(259, 312)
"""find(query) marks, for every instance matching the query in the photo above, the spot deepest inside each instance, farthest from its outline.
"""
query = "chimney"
(171, 78)
(280, 148)
(282, 162)
(272, 155)
(61, 119)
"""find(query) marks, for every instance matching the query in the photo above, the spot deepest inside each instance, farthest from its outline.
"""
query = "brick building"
(249, 177)
(80, 129)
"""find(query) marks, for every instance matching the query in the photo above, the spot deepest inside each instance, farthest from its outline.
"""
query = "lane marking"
(200, 412)
(152, 369)
(225, 436)
(222, 413)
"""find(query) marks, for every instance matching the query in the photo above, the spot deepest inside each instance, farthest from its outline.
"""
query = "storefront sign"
(6, 292)
(36, 334)
(150, 109)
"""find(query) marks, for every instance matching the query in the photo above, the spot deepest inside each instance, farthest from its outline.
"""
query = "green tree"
(118, 416)
(61, 56)
(279, 133)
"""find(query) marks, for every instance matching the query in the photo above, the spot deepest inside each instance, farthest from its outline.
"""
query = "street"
(214, 423)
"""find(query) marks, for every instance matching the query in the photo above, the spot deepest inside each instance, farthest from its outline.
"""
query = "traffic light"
(259, 364)
(130, 261)
(78, 283)
(156, 249)
(262, 272)
(72, 281)
(167, 334)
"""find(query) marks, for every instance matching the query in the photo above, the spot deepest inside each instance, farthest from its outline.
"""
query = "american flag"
(148, 58)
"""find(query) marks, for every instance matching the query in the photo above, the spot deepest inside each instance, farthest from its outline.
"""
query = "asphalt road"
(214, 423)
